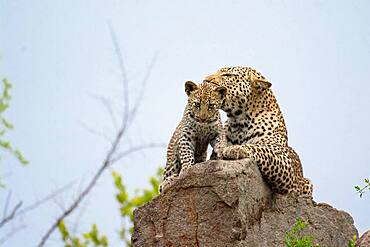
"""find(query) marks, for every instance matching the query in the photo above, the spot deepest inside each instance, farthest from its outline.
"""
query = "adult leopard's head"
(243, 85)
(204, 101)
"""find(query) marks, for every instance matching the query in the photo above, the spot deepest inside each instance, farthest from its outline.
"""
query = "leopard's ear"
(222, 91)
(259, 82)
(190, 87)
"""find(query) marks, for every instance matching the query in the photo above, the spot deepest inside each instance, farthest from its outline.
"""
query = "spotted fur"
(255, 128)
(200, 126)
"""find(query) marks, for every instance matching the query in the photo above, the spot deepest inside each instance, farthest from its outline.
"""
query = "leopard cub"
(200, 125)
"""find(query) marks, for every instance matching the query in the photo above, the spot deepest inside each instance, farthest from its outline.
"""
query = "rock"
(364, 241)
(227, 203)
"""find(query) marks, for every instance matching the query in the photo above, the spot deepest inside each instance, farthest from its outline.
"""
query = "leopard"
(199, 127)
(255, 128)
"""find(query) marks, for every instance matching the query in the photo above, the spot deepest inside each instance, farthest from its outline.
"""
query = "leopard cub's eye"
(212, 106)
(196, 104)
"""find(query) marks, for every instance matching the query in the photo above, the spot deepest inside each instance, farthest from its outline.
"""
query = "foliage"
(87, 239)
(360, 190)
(352, 242)
(295, 238)
(5, 125)
(127, 205)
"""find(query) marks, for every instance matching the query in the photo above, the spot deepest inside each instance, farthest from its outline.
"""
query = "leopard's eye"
(228, 74)
(212, 106)
(196, 104)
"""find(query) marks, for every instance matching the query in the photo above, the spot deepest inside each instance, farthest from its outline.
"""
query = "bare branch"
(78, 218)
(46, 198)
(7, 200)
(111, 155)
(11, 215)
(142, 90)
(108, 106)
(12, 233)
(84, 192)
(112, 150)
(136, 149)
(17, 211)
(107, 162)
(59, 203)
(73, 205)
(121, 64)
(97, 133)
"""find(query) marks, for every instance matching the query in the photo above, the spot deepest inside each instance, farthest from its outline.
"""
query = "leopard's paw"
(234, 152)
(184, 170)
(167, 183)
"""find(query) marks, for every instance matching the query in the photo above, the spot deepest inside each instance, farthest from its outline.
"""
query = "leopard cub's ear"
(259, 82)
(190, 87)
(222, 91)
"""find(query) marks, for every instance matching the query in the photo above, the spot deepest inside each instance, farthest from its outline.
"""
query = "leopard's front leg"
(167, 183)
(186, 154)
(218, 144)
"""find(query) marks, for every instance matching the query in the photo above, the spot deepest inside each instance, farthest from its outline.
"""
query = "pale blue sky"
(59, 53)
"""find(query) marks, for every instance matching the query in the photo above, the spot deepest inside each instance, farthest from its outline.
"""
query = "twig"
(136, 149)
(121, 64)
(97, 133)
(107, 161)
(11, 215)
(142, 90)
(46, 198)
(78, 218)
(111, 156)
(108, 106)
(83, 194)
(109, 109)
(360, 190)
(7, 200)
(17, 211)
(12, 233)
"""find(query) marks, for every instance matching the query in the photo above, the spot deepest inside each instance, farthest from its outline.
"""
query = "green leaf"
(6, 89)
(352, 242)
(128, 204)
(7, 84)
(5, 144)
(3, 106)
(63, 230)
(104, 241)
(6, 123)
(20, 157)
(295, 238)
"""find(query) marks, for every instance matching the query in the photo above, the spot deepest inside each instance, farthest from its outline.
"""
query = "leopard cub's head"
(204, 101)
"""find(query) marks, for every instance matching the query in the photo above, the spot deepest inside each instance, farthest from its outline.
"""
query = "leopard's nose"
(203, 117)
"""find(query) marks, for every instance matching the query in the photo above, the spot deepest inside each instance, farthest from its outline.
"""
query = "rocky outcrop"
(227, 203)
(364, 241)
